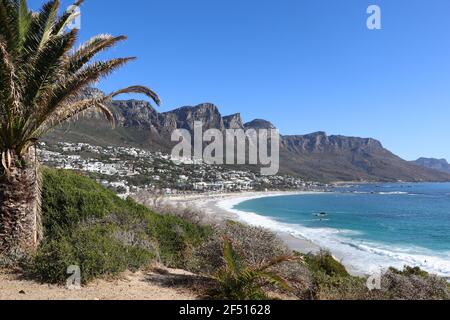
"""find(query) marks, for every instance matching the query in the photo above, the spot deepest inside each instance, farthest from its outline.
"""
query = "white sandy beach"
(220, 206)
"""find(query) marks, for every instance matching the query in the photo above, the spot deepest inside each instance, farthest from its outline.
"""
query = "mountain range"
(314, 156)
(435, 164)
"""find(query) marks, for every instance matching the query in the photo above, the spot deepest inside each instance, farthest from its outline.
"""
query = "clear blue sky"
(306, 65)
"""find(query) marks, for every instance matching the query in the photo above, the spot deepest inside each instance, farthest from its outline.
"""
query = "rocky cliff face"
(135, 113)
(319, 142)
(184, 118)
(436, 164)
(316, 156)
(233, 122)
(258, 124)
(339, 158)
(90, 93)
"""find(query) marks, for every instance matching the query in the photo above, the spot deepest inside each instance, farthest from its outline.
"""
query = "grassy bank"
(89, 226)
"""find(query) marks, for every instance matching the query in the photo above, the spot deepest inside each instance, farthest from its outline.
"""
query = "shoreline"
(219, 207)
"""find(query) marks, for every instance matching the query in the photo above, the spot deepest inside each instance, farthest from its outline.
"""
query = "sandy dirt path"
(169, 285)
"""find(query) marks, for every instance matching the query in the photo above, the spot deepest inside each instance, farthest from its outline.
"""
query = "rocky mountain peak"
(320, 142)
(91, 93)
(233, 121)
(259, 124)
(184, 118)
(432, 163)
(134, 113)
(315, 156)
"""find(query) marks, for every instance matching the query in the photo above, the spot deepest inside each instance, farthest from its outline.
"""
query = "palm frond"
(230, 256)
(278, 260)
(24, 20)
(40, 29)
(47, 19)
(70, 88)
(274, 279)
(138, 89)
(9, 89)
(44, 70)
(69, 112)
(88, 50)
(6, 159)
(8, 24)
(239, 281)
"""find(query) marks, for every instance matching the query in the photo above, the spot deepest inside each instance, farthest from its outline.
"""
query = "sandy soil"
(165, 285)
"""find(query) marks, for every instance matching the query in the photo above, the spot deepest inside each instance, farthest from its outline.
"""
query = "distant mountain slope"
(339, 158)
(315, 156)
(436, 164)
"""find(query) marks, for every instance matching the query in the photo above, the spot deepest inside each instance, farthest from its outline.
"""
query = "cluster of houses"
(128, 170)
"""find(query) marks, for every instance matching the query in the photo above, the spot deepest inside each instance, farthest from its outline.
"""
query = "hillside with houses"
(128, 170)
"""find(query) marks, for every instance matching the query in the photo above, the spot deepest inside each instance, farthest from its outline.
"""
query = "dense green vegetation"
(324, 262)
(89, 226)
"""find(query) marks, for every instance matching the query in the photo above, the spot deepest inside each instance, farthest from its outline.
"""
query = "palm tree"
(41, 81)
(239, 281)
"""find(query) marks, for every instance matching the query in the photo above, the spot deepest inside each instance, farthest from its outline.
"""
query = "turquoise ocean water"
(369, 227)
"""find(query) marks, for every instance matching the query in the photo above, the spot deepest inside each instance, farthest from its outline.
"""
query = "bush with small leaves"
(88, 226)
(259, 245)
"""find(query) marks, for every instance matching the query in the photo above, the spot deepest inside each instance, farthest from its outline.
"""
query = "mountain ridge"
(316, 156)
(433, 163)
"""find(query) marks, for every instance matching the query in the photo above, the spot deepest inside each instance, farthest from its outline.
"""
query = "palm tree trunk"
(20, 225)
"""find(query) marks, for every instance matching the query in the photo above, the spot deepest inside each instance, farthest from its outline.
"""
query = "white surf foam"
(363, 257)
(392, 193)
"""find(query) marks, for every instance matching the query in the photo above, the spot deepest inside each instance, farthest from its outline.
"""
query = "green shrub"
(410, 271)
(177, 238)
(324, 262)
(89, 226)
(331, 281)
(52, 259)
(339, 287)
(411, 284)
(70, 198)
(93, 250)
(260, 245)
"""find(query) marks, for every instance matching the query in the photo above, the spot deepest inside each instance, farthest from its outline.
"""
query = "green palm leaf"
(238, 281)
